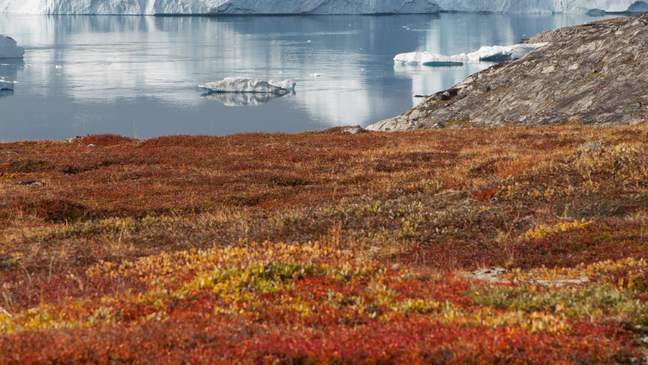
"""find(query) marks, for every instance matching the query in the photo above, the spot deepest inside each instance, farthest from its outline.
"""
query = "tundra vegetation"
(327, 248)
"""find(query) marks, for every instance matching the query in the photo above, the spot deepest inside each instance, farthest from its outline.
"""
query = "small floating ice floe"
(503, 53)
(243, 85)
(234, 91)
(484, 54)
(9, 48)
(427, 59)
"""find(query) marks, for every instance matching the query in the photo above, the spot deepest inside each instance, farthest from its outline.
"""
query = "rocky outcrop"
(593, 73)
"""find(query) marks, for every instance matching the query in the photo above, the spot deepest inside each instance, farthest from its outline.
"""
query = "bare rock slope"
(593, 73)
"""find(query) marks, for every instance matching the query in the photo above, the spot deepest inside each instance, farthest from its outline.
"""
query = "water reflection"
(241, 99)
(139, 75)
(9, 75)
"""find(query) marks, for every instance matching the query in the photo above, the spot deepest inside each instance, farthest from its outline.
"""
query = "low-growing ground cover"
(327, 248)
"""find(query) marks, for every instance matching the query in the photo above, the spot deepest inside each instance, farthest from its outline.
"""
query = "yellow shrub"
(545, 230)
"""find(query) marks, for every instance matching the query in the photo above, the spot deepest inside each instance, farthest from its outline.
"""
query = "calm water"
(137, 76)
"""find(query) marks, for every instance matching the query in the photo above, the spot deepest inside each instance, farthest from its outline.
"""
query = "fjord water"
(137, 76)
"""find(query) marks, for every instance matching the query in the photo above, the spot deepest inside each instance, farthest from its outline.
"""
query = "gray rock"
(494, 275)
(490, 274)
(354, 129)
(31, 183)
(593, 73)
(589, 147)
(393, 124)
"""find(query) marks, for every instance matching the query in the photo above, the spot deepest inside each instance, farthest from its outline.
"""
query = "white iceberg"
(484, 54)
(267, 7)
(244, 85)
(503, 53)
(428, 59)
(535, 6)
(9, 48)
(152, 7)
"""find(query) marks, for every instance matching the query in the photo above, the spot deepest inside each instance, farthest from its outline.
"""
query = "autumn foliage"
(327, 248)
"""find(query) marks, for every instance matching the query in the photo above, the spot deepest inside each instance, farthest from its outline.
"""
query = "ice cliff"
(311, 6)
(218, 6)
(537, 6)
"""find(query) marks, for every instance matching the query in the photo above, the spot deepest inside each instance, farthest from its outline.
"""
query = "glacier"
(483, 54)
(536, 6)
(9, 48)
(244, 85)
(215, 7)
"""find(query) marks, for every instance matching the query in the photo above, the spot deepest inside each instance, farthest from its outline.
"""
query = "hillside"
(327, 248)
(593, 73)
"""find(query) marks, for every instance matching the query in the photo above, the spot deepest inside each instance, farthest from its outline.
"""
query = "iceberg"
(503, 53)
(428, 59)
(216, 7)
(484, 54)
(9, 48)
(535, 6)
(244, 85)
(270, 7)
